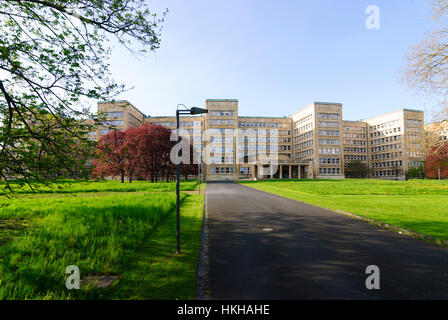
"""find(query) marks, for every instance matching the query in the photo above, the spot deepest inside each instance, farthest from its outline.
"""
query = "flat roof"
(357, 121)
(329, 103)
(255, 117)
(396, 111)
(174, 117)
(125, 101)
(221, 100)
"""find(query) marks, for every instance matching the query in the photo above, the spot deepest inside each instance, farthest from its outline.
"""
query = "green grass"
(158, 273)
(72, 186)
(106, 233)
(417, 205)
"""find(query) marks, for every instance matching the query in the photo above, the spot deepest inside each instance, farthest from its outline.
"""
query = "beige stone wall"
(123, 112)
(393, 143)
(355, 142)
(222, 117)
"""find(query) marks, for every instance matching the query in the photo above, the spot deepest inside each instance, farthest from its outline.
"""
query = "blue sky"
(276, 57)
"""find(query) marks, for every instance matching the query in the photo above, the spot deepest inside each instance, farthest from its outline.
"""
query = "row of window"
(305, 153)
(355, 135)
(358, 150)
(330, 171)
(329, 151)
(387, 173)
(181, 124)
(222, 160)
(334, 133)
(362, 129)
(113, 123)
(106, 131)
(414, 122)
(257, 139)
(304, 136)
(307, 118)
(329, 160)
(355, 142)
(262, 124)
(386, 140)
(222, 113)
(221, 121)
(355, 157)
(329, 141)
(227, 149)
(304, 128)
(245, 170)
(397, 163)
(328, 124)
(392, 123)
(385, 132)
(386, 155)
(386, 147)
(259, 147)
(114, 114)
(329, 116)
(222, 170)
(305, 144)
(414, 163)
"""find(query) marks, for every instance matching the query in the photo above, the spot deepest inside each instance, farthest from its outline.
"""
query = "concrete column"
(281, 172)
(300, 171)
(290, 171)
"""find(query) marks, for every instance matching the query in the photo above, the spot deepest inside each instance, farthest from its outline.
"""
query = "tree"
(427, 61)
(153, 151)
(191, 168)
(130, 147)
(437, 163)
(356, 169)
(53, 61)
(415, 173)
(112, 156)
(142, 152)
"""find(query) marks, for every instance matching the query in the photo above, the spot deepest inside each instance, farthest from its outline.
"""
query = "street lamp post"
(186, 111)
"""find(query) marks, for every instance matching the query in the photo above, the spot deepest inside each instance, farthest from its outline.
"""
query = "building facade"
(314, 142)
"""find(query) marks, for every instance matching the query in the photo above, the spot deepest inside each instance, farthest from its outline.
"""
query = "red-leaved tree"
(142, 152)
(110, 153)
(437, 162)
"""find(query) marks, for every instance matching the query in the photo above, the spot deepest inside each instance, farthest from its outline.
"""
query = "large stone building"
(314, 142)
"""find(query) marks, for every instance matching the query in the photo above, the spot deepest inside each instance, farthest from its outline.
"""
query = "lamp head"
(195, 110)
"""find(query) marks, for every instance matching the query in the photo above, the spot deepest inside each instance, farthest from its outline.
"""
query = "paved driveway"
(312, 254)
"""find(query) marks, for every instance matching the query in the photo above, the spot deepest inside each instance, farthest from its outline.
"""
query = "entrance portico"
(283, 170)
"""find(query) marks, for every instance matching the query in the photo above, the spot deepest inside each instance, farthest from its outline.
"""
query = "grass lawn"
(417, 205)
(104, 228)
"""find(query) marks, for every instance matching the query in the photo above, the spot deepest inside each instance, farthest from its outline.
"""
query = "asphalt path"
(312, 253)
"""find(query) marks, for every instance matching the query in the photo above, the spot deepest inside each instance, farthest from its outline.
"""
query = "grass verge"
(420, 206)
(157, 272)
(103, 234)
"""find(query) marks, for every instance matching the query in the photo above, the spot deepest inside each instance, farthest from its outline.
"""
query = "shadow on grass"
(157, 272)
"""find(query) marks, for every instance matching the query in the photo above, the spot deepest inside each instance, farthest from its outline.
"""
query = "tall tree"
(356, 169)
(112, 156)
(53, 61)
(437, 162)
(137, 152)
(427, 62)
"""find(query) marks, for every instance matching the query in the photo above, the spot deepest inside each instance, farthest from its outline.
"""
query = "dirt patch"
(13, 224)
(10, 228)
(99, 281)
(190, 192)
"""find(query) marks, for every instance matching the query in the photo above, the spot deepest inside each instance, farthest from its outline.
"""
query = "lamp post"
(186, 111)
